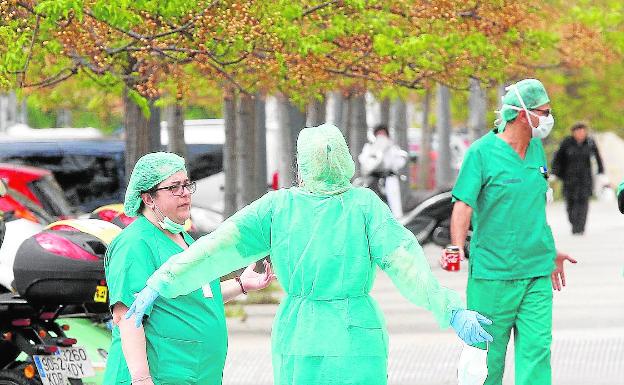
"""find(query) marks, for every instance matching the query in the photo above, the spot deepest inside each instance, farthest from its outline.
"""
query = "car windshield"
(42, 215)
(51, 196)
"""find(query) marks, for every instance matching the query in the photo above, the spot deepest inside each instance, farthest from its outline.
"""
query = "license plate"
(51, 370)
(101, 294)
(78, 364)
(71, 362)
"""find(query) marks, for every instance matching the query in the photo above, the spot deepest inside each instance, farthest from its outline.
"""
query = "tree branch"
(30, 52)
(316, 8)
(30, 9)
(52, 80)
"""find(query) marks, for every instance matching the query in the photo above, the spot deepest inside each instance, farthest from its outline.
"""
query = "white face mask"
(167, 223)
(472, 368)
(545, 123)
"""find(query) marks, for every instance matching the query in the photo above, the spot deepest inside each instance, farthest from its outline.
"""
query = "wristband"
(240, 282)
(140, 379)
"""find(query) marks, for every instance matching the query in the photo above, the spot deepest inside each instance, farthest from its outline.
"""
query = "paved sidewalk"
(588, 338)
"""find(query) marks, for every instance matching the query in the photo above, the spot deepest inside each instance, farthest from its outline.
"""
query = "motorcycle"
(57, 273)
(35, 349)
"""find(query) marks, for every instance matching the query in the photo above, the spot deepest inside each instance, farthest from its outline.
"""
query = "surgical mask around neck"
(167, 223)
(472, 368)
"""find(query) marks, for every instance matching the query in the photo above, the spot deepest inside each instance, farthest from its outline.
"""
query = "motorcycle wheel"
(10, 377)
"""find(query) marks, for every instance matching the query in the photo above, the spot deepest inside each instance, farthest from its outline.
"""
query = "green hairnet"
(533, 95)
(325, 164)
(148, 171)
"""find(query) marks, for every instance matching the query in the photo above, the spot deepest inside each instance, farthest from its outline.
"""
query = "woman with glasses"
(183, 340)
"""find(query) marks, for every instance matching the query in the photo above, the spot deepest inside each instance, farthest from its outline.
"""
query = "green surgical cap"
(150, 170)
(533, 95)
(325, 164)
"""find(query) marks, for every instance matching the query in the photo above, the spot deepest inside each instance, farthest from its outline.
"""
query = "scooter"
(431, 221)
(426, 214)
(57, 272)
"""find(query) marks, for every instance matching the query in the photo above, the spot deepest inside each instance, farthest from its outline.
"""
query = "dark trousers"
(577, 213)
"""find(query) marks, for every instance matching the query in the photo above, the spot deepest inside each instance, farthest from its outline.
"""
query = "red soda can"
(451, 258)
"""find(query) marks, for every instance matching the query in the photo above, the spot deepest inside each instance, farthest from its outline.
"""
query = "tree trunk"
(4, 112)
(477, 110)
(335, 108)
(398, 128)
(424, 164)
(175, 129)
(260, 163)
(291, 121)
(245, 148)
(357, 127)
(347, 116)
(297, 120)
(316, 113)
(137, 133)
(22, 114)
(229, 152)
(384, 111)
(444, 174)
(63, 117)
(398, 122)
(12, 115)
(154, 127)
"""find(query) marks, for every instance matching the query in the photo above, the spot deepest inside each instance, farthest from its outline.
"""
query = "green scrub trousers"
(524, 306)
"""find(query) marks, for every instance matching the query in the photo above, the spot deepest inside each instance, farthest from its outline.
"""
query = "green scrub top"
(511, 238)
(325, 250)
(186, 337)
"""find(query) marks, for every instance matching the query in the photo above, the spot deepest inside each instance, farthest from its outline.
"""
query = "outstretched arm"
(396, 250)
(242, 239)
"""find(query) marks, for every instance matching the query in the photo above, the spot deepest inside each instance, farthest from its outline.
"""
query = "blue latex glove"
(143, 300)
(467, 325)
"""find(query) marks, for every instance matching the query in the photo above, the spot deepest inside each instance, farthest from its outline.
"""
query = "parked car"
(33, 194)
(92, 172)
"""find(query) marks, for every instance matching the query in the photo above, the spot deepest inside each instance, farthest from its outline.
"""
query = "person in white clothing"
(382, 158)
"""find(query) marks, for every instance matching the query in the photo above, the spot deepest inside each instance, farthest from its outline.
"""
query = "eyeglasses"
(178, 188)
(546, 112)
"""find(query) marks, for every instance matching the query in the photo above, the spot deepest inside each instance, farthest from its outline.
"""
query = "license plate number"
(71, 362)
(51, 370)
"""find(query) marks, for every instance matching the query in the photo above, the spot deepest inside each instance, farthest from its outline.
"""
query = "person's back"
(312, 244)
(326, 269)
(573, 164)
(577, 158)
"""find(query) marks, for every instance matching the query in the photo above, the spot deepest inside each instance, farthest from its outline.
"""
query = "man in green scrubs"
(183, 341)
(502, 186)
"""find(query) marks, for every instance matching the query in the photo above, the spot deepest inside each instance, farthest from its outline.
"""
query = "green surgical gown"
(325, 250)
(186, 337)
